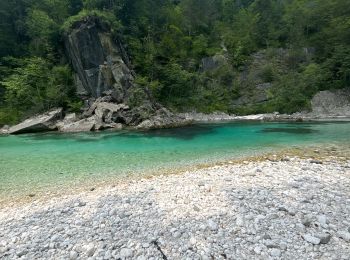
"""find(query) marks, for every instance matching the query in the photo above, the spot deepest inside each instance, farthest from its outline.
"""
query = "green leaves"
(37, 85)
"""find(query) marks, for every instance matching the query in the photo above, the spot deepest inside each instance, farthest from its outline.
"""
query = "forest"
(294, 48)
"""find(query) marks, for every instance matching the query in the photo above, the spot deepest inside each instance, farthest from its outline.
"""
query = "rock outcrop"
(99, 61)
(105, 78)
(40, 123)
(331, 103)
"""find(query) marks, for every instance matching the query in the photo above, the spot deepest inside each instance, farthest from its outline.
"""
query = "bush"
(107, 17)
(37, 86)
(8, 116)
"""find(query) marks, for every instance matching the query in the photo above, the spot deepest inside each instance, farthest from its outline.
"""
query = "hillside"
(234, 56)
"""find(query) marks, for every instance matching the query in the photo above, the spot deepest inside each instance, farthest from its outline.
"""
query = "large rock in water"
(44, 122)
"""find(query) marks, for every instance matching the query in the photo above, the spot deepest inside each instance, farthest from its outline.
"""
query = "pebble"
(212, 225)
(344, 235)
(311, 239)
(73, 255)
(90, 249)
(322, 219)
(275, 252)
(210, 213)
(324, 238)
(126, 253)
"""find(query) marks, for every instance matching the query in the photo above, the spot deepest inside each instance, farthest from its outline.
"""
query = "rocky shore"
(277, 208)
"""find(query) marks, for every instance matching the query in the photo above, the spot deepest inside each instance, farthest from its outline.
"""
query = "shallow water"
(37, 162)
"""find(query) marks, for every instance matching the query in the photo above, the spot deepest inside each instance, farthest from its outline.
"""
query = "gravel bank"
(284, 209)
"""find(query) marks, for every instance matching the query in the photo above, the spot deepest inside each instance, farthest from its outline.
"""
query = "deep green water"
(36, 162)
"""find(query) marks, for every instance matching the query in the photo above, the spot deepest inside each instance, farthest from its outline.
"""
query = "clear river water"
(38, 162)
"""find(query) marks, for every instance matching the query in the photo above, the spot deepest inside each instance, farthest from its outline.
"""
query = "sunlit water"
(36, 162)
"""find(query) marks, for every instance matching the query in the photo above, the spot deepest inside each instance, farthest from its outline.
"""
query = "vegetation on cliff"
(206, 55)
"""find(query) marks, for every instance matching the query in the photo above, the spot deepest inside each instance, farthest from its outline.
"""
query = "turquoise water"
(38, 161)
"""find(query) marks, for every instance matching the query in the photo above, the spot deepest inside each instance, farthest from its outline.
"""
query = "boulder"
(84, 125)
(163, 120)
(331, 103)
(4, 129)
(40, 123)
(109, 112)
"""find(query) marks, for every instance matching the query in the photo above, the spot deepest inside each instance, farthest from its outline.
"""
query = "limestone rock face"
(106, 79)
(40, 123)
(332, 103)
(99, 60)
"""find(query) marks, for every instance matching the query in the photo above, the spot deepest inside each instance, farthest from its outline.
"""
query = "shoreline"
(191, 118)
(307, 152)
(279, 206)
(273, 117)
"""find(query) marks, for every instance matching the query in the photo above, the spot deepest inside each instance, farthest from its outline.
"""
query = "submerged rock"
(40, 123)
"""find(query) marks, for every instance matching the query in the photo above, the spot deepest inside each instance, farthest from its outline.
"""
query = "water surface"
(38, 162)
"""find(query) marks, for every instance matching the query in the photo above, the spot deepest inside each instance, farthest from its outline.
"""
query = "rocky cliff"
(105, 79)
(331, 103)
(99, 61)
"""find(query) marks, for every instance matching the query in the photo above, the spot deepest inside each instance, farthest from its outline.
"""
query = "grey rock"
(324, 238)
(73, 255)
(213, 226)
(84, 125)
(40, 123)
(90, 249)
(271, 244)
(306, 220)
(322, 219)
(311, 239)
(126, 253)
(4, 129)
(275, 252)
(344, 235)
(104, 74)
(316, 161)
(331, 103)
(99, 62)
(22, 252)
(240, 221)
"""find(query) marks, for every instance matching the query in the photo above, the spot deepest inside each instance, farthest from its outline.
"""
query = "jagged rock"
(69, 118)
(331, 103)
(72, 117)
(84, 125)
(110, 112)
(4, 129)
(105, 78)
(40, 123)
(100, 62)
(163, 118)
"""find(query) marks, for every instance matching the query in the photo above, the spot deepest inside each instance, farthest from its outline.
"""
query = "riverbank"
(276, 117)
(279, 206)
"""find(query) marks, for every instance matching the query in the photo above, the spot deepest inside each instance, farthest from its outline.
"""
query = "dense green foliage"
(296, 46)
